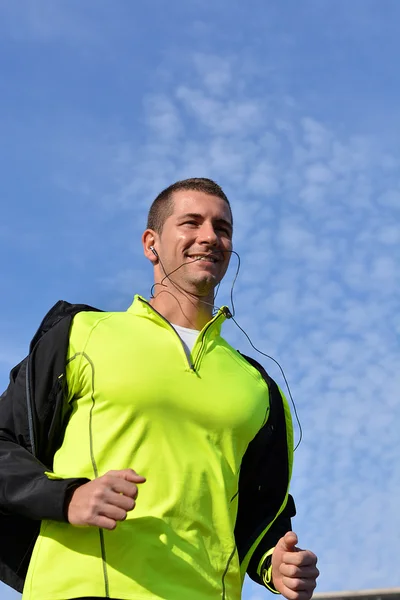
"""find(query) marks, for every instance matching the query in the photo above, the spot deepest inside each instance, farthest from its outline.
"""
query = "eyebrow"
(199, 216)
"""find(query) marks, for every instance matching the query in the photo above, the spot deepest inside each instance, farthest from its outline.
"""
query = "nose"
(207, 234)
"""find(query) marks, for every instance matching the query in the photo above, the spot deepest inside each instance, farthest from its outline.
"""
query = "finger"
(103, 522)
(119, 500)
(113, 512)
(302, 558)
(295, 594)
(130, 475)
(291, 538)
(295, 571)
(299, 584)
(121, 486)
(288, 542)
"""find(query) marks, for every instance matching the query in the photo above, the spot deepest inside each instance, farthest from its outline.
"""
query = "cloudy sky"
(293, 107)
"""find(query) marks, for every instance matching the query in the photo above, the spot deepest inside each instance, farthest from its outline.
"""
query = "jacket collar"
(140, 307)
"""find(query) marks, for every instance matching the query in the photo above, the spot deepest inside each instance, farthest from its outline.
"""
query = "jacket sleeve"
(263, 486)
(27, 436)
(261, 558)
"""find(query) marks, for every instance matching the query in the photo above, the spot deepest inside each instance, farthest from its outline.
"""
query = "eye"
(225, 230)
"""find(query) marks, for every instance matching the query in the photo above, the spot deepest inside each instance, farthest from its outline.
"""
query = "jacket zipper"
(202, 346)
(193, 366)
(187, 359)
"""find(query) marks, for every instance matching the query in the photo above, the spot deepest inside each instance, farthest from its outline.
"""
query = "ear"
(149, 239)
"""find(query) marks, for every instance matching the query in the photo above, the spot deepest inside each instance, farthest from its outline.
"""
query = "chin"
(202, 285)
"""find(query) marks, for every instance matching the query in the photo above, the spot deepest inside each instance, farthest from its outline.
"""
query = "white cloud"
(218, 79)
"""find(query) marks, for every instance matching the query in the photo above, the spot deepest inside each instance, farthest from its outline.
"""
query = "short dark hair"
(163, 205)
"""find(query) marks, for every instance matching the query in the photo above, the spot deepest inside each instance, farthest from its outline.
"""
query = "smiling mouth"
(204, 257)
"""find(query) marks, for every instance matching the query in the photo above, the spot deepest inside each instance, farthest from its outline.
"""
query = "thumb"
(130, 475)
(288, 542)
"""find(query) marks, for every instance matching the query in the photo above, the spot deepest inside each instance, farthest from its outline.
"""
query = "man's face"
(200, 226)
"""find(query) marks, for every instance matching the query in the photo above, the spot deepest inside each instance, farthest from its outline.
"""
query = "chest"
(142, 372)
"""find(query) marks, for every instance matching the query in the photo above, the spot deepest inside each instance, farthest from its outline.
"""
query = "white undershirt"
(188, 337)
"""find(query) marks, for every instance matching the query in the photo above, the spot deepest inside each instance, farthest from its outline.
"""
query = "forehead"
(207, 205)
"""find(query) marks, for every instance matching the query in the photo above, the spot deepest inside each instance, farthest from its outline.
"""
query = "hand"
(105, 500)
(294, 571)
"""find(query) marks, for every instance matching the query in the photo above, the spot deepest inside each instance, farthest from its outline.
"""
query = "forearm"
(260, 562)
(25, 489)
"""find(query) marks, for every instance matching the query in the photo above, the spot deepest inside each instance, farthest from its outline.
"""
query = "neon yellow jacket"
(199, 430)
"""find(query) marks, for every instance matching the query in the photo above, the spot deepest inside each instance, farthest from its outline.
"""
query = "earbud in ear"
(154, 251)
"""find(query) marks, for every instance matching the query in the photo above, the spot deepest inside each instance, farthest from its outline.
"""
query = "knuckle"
(98, 490)
(90, 517)
(292, 571)
(292, 557)
(296, 583)
(291, 592)
(91, 506)
(312, 557)
(95, 499)
(90, 521)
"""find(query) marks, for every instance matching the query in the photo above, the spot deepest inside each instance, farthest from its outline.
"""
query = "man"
(158, 460)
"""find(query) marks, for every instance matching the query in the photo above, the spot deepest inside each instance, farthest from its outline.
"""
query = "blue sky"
(293, 107)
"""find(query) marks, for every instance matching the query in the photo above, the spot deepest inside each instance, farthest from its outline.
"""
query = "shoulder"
(85, 321)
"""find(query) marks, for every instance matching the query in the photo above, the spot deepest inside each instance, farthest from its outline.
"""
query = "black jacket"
(32, 426)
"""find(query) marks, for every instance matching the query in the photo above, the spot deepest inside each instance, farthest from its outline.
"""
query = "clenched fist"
(105, 500)
(294, 571)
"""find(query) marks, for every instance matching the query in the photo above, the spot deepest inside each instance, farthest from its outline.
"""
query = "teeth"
(211, 258)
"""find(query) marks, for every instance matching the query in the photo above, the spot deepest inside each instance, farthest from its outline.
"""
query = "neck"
(185, 310)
